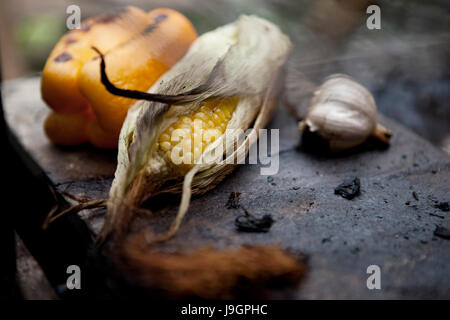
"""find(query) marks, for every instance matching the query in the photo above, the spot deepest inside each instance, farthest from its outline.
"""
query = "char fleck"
(442, 232)
(70, 41)
(444, 206)
(150, 28)
(253, 224)
(158, 19)
(85, 27)
(233, 200)
(348, 189)
(249, 223)
(110, 17)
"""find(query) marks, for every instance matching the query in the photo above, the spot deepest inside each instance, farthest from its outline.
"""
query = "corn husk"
(244, 59)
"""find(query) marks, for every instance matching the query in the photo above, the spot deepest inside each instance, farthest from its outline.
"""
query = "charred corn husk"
(175, 141)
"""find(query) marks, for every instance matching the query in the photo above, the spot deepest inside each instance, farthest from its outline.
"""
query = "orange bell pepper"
(139, 47)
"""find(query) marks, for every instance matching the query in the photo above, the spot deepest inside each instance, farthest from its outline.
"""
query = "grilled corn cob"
(185, 140)
(229, 79)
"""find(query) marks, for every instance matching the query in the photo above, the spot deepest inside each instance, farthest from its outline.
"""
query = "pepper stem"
(141, 95)
(382, 134)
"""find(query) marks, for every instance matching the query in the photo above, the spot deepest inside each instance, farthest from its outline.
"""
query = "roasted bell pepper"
(139, 47)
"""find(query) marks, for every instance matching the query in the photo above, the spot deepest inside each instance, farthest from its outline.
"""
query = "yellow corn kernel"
(186, 139)
(210, 135)
(164, 137)
(165, 145)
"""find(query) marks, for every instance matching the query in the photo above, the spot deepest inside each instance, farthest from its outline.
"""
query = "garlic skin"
(343, 113)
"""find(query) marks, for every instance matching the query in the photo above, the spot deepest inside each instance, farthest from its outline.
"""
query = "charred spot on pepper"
(150, 28)
(63, 57)
(85, 27)
(69, 41)
(105, 18)
(111, 16)
(158, 19)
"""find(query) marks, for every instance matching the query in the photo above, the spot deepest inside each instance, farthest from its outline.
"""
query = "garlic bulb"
(344, 114)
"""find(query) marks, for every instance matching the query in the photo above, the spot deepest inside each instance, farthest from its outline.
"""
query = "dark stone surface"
(32, 282)
(385, 225)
